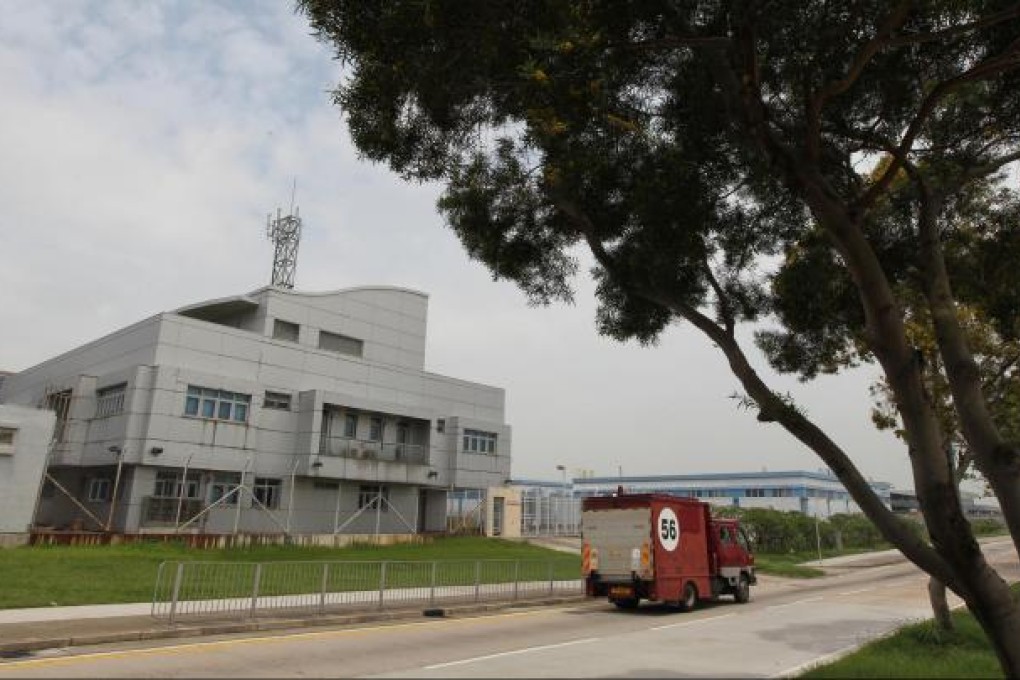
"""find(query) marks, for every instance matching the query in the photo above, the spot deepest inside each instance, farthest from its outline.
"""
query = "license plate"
(621, 591)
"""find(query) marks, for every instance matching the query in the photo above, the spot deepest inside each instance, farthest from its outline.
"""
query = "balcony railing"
(158, 510)
(361, 449)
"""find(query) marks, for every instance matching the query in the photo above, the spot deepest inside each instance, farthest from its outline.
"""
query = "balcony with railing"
(363, 449)
(157, 510)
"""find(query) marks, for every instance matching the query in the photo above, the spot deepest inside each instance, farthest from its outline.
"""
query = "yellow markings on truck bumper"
(589, 559)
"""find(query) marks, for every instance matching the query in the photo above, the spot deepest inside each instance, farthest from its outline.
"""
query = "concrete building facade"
(273, 411)
(25, 435)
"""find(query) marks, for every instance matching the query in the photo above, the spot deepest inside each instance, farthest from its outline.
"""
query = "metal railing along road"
(251, 589)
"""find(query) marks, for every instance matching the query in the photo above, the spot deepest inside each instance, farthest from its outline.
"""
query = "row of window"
(332, 342)
(266, 490)
(217, 404)
(759, 492)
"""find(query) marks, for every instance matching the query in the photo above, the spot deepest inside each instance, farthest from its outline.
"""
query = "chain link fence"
(187, 590)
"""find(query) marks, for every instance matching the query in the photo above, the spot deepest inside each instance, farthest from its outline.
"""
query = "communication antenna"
(285, 233)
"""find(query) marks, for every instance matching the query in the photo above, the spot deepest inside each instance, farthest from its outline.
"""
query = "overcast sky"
(141, 146)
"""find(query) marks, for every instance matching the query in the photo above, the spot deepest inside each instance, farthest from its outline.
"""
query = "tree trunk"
(939, 605)
(993, 605)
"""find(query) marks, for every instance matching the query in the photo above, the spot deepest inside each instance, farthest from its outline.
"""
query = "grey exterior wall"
(159, 358)
(22, 464)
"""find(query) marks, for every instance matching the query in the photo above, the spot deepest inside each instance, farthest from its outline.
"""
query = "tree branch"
(773, 407)
(814, 114)
(724, 305)
(988, 68)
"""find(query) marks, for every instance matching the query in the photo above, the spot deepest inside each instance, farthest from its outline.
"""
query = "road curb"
(29, 646)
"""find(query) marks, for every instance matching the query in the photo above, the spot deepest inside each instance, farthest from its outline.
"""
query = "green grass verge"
(788, 566)
(59, 575)
(799, 564)
(920, 651)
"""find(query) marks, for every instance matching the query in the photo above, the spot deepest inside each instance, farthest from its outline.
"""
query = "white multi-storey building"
(274, 411)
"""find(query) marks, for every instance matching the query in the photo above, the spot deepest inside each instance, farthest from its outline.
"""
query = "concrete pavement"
(23, 631)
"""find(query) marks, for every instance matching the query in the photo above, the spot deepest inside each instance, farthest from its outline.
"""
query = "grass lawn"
(919, 651)
(58, 575)
(799, 564)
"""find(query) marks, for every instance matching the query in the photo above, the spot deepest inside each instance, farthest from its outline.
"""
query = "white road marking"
(691, 623)
(855, 592)
(790, 604)
(832, 656)
(526, 650)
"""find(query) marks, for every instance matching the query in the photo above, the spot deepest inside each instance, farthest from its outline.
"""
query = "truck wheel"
(690, 598)
(743, 592)
(627, 603)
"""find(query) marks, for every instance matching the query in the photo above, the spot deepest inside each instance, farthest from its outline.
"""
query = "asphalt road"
(786, 626)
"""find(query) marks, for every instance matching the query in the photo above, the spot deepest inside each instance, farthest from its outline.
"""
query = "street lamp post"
(560, 511)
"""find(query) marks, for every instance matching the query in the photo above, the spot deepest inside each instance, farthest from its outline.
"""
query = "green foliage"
(777, 532)
(558, 123)
(987, 527)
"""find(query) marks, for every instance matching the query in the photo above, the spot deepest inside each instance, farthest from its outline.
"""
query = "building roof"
(219, 307)
(714, 476)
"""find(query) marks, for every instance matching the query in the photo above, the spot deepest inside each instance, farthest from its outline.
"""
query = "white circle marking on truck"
(668, 529)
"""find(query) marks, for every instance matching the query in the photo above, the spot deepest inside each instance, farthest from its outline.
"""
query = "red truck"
(662, 548)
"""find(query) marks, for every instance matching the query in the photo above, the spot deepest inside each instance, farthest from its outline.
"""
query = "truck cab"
(733, 571)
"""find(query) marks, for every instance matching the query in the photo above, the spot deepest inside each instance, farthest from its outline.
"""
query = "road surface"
(788, 625)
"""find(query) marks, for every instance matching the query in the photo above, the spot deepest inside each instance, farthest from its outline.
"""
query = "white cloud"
(143, 144)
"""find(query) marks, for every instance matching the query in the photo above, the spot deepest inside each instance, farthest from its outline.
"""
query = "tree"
(998, 362)
(690, 146)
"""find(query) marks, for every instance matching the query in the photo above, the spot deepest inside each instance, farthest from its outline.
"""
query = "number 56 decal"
(669, 529)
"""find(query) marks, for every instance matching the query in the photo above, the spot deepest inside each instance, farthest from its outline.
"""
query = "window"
(742, 540)
(754, 493)
(403, 432)
(285, 330)
(441, 425)
(266, 491)
(340, 343)
(222, 485)
(205, 402)
(99, 489)
(368, 497)
(110, 400)
(477, 441)
(351, 425)
(277, 400)
(59, 403)
(7, 441)
(168, 485)
(375, 430)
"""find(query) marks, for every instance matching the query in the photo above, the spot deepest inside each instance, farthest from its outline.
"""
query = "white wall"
(22, 465)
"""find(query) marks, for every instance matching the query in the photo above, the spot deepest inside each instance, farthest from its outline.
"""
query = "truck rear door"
(613, 535)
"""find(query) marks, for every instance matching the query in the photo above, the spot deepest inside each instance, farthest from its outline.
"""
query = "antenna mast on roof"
(285, 233)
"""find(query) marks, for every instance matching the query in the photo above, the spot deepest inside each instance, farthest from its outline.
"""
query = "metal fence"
(250, 589)
(550, 515)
